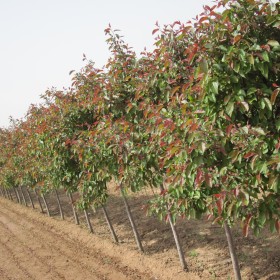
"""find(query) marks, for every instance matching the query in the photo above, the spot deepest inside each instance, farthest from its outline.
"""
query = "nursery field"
(159, 166)
(35, 246)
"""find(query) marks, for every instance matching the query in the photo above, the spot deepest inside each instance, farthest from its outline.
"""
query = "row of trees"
(197, 118)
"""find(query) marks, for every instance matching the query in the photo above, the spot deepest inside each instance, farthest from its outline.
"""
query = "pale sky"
(41, 41)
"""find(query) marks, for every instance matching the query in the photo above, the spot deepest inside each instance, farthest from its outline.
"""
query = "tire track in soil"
(37, 233)
(10, 257)
(44, 239)
(28, 255)
(4, 273)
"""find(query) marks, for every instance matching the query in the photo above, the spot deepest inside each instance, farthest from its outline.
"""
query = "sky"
(41, 41)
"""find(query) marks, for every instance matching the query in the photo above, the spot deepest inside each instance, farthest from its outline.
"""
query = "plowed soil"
(35, 246)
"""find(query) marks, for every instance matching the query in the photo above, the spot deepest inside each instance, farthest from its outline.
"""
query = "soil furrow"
(49, 252)
(42, 238)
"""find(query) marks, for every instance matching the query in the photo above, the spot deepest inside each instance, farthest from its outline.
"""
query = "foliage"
(198, 118)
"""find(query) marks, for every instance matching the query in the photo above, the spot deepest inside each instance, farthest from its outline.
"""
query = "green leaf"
(277, 124)
(273, 43)
(236, 67)
(262, 104)
(214, 87)
(230, 108)
(276, 24)
(251, 59)
(244, 106)
(272, 226)
(259, 130)
(202, 147)
(263, 67)
(268, 104)
(203, 65)
(265, 56)
(234, 155)
(262, 217)
(245, 129)
(273, 182)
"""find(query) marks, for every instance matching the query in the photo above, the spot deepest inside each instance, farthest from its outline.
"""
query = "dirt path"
(32, 248)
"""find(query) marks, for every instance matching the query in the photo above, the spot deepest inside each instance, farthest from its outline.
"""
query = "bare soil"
(35, 246)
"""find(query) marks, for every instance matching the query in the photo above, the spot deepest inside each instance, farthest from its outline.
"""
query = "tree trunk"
(59, 205)
(39, 201)
(132, 223)
(11, 195)
(23, 196)
(232, 251)
(88, 221)
(115, 238)
(46, 204)
(6, 193)
(30, 198)
(177, 240)
(74, 210)
(16, 194)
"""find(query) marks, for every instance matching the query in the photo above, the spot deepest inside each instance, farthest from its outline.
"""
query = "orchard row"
(198, 118)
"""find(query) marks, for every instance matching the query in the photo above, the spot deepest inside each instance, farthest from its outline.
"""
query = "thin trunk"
(177, 240)
(74, 210)
(30, 198)
(232, 251)
(23, 196)
(59, 205)
(132, 223)
(115, 238)
(39, 201)
(16, 194)
(46, 204)
(88, 221)
(178, 244)
(6, 193)
(1, 192)
(10, 195)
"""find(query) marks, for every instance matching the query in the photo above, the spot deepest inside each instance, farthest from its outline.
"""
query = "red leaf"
(203, 19)
(218, 16)
(194, 127)
(245, 230)
(228, 129)
(209, 216)
(246, 225)
(258, 176)
(236, 39)
(163, 192)
(208, 179)
(220, 204)
(236, 192)
(190, 57)
(155, 30)
(224, 178)
(207, 8)
(277, 225)
(274, 96)
(248, 155)
(199, 177)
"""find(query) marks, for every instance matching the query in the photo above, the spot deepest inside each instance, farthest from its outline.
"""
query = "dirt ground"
(35, 246)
